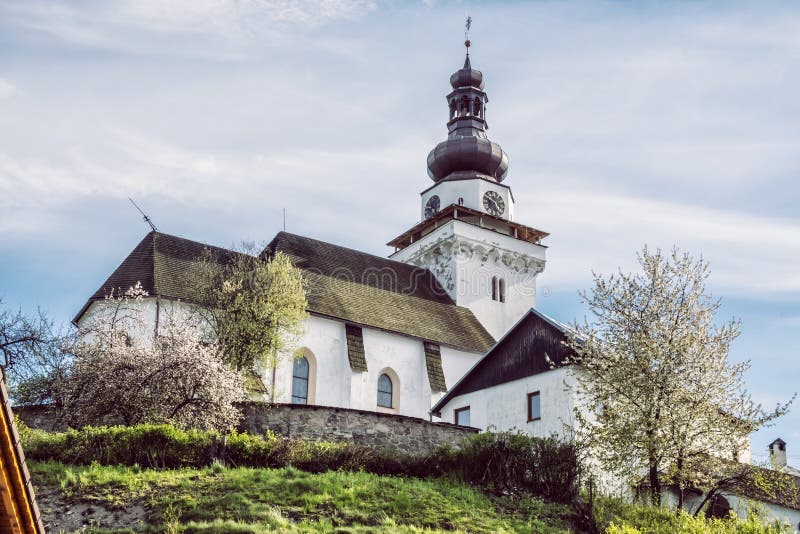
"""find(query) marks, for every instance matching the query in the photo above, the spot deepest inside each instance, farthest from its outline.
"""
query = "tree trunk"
(655, 483)
(680, 482)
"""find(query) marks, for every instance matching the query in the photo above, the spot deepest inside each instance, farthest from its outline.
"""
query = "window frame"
(390, 392)
(461, 410)
(307, 379)
(530, 414)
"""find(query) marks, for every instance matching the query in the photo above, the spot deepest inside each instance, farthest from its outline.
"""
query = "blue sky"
(626, 123)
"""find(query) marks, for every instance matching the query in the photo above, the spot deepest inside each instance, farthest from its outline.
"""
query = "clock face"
(432, 206)
(493, 203)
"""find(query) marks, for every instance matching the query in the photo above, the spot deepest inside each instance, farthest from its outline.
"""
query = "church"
(390, 334)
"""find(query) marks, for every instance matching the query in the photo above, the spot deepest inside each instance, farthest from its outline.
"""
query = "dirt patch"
(68, 515)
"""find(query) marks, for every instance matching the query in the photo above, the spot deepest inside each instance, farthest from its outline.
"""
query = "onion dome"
(467, 77)
(467, 152)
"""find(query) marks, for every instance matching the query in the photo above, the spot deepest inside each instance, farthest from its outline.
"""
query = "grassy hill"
(258, 500)
(91, 480)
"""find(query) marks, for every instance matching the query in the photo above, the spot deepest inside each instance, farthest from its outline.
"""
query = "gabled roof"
(342, 283)
(380, 293)
(534, 345)
(160, 262)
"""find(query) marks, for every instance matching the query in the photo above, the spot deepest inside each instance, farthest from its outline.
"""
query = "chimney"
(777, 454)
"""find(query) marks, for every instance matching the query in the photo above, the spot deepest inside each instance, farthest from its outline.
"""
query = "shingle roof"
(160, 262)
(380, 293)
(342, 283)
(534, 345)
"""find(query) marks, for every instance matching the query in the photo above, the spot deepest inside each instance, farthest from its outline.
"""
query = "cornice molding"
(462, 248)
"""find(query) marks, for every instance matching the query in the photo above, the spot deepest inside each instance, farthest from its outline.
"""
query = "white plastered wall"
(471, 191)
(504, 407)
(465, 258)
(338, 385)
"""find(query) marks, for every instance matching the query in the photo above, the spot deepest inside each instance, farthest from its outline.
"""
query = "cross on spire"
(467, 26)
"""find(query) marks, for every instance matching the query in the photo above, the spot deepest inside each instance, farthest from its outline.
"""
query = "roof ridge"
(382, 258)
(407, 295)
(172, 236)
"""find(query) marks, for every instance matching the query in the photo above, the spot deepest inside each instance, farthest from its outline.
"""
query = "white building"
(393, 334)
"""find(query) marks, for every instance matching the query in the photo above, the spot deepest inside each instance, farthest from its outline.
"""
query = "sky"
(626, 123)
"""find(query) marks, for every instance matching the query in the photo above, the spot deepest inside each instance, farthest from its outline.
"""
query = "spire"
(467, 152)
(467, 42)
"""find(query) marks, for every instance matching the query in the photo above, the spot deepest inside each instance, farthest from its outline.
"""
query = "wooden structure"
(18, 511)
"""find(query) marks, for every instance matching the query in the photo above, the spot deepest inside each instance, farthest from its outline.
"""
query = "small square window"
(462, 416)
(534, 406)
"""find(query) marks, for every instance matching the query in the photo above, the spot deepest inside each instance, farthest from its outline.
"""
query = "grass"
(251, 500)
(220, 500)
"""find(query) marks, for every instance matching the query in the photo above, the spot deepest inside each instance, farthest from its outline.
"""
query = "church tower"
(468, 238)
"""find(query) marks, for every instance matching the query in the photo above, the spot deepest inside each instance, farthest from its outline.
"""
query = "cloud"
(156, 27)
(127, 163)
(6, 88)
(600, 231)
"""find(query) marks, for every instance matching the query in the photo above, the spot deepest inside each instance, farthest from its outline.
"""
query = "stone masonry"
(322, 423)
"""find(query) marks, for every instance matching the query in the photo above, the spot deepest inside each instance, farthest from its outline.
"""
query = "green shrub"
(512, 462)
(503, 463)
(615, 516)
(160, 446)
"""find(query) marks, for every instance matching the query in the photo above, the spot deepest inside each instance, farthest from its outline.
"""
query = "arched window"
(300, 376)
(477, 107)
(498, 289)
(464, 106)
(385, 391)
(453, 108)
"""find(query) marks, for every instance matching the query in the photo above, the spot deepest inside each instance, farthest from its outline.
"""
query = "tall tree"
(34, 356)
(659, 397)
(254, 307)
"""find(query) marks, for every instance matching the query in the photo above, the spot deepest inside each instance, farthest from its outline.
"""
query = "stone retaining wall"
(320, 423)
(41, 417)
(325, 423)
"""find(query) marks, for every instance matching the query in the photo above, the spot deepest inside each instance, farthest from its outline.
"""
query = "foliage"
(123, 373)
(515, 463)
(657, 364)
(617, 517)
(160, 446)
(504, 463)
(33, 356)
(253, 306)
(291, 500)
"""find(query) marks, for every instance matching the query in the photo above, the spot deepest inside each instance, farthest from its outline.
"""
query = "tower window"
(460, 201)
(477, 107)
(453, 108)
(498, 289)
(385, 391)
